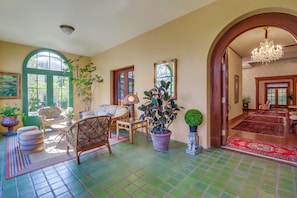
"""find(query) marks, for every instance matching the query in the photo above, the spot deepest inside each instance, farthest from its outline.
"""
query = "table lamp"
(131, 99)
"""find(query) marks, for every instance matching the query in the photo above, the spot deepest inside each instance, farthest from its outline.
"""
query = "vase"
(9, 122)
(161, 141)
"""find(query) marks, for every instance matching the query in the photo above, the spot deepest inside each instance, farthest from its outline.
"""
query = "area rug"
(266, 119)
(261, 128)
(271, 113)
(282, 153)
(54, 152)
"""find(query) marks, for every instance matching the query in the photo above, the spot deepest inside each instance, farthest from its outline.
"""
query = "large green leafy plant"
(85, 80)
(159, 108)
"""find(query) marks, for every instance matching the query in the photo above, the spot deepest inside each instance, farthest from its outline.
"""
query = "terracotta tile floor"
(136, 170)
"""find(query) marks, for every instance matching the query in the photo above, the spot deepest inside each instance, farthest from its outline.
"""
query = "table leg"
(131, 133)
(118, 131)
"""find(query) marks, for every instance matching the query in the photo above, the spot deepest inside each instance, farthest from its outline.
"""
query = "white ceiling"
(99, 24)
(103, 24)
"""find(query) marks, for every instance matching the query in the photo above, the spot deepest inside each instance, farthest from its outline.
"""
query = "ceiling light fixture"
(267, 51)
(67, 29)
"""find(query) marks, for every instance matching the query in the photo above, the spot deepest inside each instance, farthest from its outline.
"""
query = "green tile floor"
(136, 170)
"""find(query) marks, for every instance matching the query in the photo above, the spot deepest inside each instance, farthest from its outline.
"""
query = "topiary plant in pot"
(193, 118)
(160, 109)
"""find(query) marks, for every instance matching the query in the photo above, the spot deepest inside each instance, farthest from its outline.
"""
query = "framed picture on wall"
(166, 70)
(10, 85)
(236, 89)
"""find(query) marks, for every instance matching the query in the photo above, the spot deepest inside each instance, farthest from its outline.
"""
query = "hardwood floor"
(289, 138)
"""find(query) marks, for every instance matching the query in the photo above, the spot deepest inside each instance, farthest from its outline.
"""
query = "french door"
(45, 83)
(123, 84)
(278, 96)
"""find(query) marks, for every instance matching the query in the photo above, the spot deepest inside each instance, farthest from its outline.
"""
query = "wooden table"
(131, 125)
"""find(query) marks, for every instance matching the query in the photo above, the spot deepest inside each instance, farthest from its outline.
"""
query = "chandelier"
(267, 51)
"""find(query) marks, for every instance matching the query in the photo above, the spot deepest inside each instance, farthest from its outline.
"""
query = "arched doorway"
(217, 106)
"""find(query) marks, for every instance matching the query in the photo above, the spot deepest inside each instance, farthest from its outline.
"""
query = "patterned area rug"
(272, 113)
(54, 152)
(266, 119)
(261, 128)
(277, 152)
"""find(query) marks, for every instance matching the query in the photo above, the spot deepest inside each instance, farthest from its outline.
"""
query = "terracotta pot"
(9, 122)
(161, 141)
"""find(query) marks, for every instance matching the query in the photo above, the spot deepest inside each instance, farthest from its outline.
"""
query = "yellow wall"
(189, 39)
(12, 57)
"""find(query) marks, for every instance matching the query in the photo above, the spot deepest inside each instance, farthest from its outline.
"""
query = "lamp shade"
(131, 99)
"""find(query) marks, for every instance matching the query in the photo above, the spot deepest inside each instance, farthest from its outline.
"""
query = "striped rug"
(15, 160)
(54, 152)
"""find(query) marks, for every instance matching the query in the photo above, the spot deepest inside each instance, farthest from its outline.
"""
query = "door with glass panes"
(277, 94)
(45, 83)
(123, 84)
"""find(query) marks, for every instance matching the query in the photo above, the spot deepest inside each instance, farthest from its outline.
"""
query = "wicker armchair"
(50, 115)
(88, 133)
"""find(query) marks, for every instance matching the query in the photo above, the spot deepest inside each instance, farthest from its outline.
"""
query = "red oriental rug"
(271, 113)
(266, 119)
(266, 128)
(282, 153)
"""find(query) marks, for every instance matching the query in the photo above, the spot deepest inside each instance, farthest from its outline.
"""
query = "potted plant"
(193, 117)
(10, 117)
(160, 109)
(245, 102)
(84, 80)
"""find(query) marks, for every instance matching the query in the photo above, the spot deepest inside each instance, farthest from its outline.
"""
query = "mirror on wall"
(166, 70)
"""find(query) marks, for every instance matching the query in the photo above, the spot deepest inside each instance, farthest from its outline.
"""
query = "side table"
(62, 128)
(131, 125)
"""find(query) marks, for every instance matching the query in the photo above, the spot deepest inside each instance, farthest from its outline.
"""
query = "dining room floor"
(137, 170)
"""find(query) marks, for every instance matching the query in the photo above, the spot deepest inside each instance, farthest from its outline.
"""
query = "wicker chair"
(50, 115)
(88, 133)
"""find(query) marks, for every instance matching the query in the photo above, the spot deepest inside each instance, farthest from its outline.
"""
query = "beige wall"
(234, 68)
(12, 57)
(189, 39)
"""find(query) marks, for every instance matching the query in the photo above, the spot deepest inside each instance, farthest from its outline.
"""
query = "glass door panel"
(131, 82)
(37, 93)
(61, 91)
(282, 96)
(271, 95)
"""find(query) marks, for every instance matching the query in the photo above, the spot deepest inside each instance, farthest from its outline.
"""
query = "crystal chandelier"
(267, 51)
